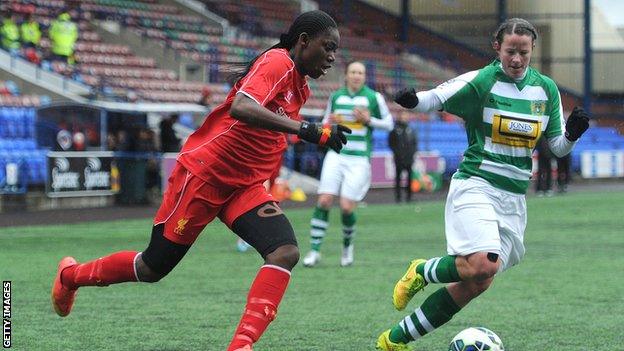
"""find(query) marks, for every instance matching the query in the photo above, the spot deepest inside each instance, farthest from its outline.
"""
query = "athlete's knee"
(285, 256)
(325, 201)
(145, 273)
(160, 257)
(482, 272)
(347, 206)
(481, 266)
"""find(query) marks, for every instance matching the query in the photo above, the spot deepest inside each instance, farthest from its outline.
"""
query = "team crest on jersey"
(288, 96)
(514, 131)
(538, 107)
(180, 228)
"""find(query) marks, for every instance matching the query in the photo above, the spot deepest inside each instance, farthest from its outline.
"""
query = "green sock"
(439, 270)
(319, 224)
(348, 228)
(436, 310)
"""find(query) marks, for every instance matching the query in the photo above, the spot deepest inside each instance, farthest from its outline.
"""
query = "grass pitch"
(567, 294)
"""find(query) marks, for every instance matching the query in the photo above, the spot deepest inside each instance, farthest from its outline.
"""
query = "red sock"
(264, 296)
(112, 269)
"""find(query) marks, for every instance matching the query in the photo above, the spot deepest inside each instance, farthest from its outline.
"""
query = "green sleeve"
(462, 95)
(555, 112)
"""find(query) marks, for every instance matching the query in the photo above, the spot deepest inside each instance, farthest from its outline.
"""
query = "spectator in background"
(63, 34)
(206, 97)
(402, 142)
(543, 184)
(123, 138)
(30, 32)
(9, 33)
(111, 142)
(563, 173)
(169, 142)
(146, 143)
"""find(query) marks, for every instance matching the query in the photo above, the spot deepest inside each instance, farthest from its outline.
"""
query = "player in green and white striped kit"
(347, 174)
(507, 106)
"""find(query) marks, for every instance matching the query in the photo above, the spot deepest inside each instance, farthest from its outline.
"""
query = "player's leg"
(475, 271)
(549, 178)
(408, 187)
(470, 275)
(329, 186)
(398, 169)
(267, 229)
(178, 221)
(358, 171)
(318, 228)
(542, 163)
(471, 227)
(347, 208)
(474, 246)
(160, 257)
(563, 173)
(435, 311)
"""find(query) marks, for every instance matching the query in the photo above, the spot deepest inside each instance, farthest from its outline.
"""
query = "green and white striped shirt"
(341, 104)
(504, 120)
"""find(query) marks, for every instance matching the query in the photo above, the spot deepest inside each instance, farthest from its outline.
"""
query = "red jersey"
(232, 152)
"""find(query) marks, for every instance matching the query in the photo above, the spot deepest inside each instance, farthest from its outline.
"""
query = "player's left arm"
(249, 111)
(329, 110)
(562, 135)
(385, 121)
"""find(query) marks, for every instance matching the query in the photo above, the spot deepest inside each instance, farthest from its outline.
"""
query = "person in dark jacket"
(402, 141)
(169, 142)
(563, 173)
(544, 169)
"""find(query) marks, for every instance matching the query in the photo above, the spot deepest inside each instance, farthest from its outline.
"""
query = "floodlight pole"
(502, 11)
(405, 20)
(587, 67)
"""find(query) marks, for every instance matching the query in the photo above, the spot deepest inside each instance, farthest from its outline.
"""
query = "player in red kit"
(220, 173)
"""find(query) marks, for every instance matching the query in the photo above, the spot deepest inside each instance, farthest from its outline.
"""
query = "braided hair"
(312, 22)
(515, 26)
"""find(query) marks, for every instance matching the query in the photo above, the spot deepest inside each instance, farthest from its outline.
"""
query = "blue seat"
(19, 144)
(9, 144)
(30, 144)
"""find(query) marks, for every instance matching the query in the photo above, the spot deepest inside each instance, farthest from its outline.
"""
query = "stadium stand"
(17, 136)
(115, 70)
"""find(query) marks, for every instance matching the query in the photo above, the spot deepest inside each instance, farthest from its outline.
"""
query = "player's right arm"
(455, 96)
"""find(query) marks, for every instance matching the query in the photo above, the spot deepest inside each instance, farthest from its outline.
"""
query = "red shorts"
(189, 204)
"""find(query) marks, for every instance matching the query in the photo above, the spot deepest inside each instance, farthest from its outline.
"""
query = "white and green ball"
(476, 339)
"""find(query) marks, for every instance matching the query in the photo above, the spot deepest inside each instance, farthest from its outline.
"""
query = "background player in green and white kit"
(507, 106)
(348, 174)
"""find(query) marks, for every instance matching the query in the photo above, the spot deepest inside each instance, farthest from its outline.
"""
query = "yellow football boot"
(384, 343)
(408, 285)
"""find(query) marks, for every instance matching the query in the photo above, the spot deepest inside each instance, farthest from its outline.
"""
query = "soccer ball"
(476, 339)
